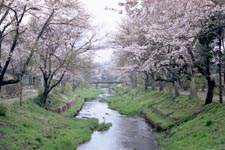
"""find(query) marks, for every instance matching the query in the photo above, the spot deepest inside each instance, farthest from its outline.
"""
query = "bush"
(65, 88)
(185, 84)
(40, 90)
(200, 82)
(10, 90)
(3, 110)
(216, 90)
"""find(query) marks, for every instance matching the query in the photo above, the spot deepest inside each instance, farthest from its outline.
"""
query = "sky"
(106, 20)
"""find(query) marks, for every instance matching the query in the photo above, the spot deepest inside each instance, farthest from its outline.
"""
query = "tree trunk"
(161, 86)
(209, 97)
(44, 97)
(48, 87)
(176, 90)
(193, 90)
(73, 85)
(220, 85)
(153, 81)
(146, 81)
(133, 78)
(21, 91)
(153, 85)
(220, 73)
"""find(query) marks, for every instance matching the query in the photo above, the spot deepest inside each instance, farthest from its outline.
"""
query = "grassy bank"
(31, 127)
(186, 122)
(206, 132)
(82, 95)
(62, 95)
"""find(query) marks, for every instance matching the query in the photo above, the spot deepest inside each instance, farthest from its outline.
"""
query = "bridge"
(105, 82)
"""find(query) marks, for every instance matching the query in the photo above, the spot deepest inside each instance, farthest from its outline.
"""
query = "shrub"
(185, 84)
(40, 91)
(3, 110)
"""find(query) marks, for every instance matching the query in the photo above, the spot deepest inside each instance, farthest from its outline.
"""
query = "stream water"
(126, 133)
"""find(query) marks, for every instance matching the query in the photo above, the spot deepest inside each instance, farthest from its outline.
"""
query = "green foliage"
(88, 93)
(104, 126)
(216, 90)
(200, 82)
(40, 90)
(65, 88)
(74, 109)
(185, 84)
(3, 110)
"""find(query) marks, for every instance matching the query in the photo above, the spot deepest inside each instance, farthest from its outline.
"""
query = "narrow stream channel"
(126, 133)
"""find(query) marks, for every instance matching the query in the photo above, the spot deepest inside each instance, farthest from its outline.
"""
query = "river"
(126, 133)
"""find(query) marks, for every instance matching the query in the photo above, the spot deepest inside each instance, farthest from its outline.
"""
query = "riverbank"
(185, 122)
(32, 127)
(126, 132)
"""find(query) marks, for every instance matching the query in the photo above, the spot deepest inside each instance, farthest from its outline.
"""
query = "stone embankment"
(62, 108)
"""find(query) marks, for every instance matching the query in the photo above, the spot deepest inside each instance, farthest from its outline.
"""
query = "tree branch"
(54, 85)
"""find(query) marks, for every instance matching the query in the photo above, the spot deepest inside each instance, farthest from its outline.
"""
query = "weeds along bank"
(32, 127)
(181, 123)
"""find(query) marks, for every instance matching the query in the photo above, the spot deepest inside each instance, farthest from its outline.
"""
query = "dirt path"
(27, 94)
(202, 95)
(31, 93)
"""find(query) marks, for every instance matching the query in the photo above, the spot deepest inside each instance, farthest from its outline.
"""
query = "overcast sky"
(107, 21)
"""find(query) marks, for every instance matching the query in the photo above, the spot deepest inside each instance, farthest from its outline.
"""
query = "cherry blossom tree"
(55, 40)
(13, 14)
(169, 23)
(67, 37)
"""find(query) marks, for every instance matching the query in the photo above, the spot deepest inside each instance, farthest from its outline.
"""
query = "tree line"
(169, 41)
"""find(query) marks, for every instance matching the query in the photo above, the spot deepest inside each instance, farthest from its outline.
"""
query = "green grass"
(32, 127)
(89, 93)
(82, 94)
(74, 109)
(60, 96)
(103, 126)
(204, 131)
(3, 110)
(164, 109)
(158, 119)
(125, 105)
